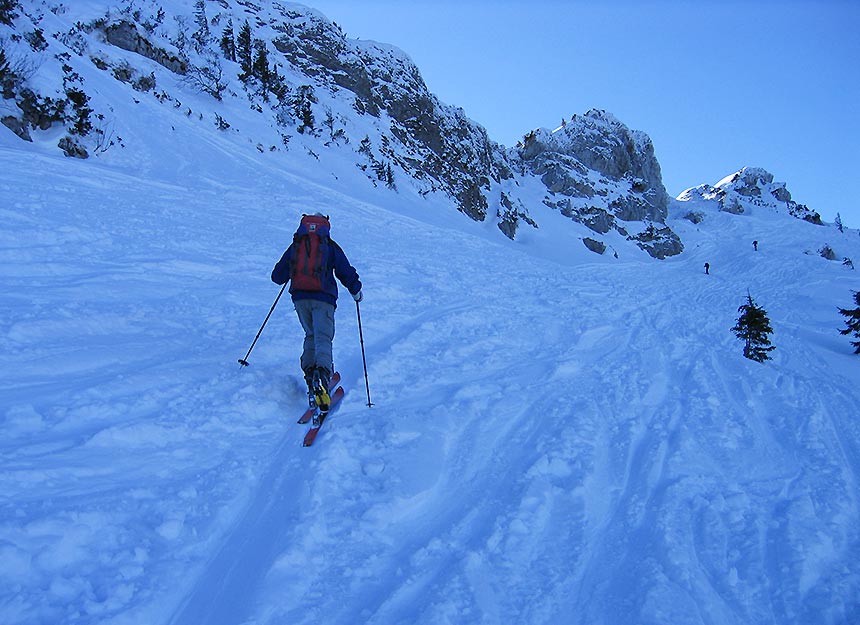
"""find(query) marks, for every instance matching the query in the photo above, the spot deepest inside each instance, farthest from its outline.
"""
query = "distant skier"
(707, 269)
(755, 246)
(311, 263)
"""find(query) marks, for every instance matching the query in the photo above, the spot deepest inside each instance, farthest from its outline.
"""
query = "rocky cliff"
(300, 72)
(600, 173)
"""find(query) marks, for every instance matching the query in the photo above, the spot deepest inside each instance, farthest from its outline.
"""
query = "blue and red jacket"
(334, 264)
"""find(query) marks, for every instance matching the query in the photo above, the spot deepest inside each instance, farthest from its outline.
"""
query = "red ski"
(309, 413)
(311, 436)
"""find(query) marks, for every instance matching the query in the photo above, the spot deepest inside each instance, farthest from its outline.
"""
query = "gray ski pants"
(317, 319)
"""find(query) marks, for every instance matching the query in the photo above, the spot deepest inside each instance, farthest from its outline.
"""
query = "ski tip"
(310, 437)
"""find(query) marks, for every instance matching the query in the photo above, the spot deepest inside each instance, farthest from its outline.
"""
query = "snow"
(556, 436)
(550, 442)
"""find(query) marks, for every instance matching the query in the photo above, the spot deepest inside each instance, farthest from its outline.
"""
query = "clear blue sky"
(716, 85)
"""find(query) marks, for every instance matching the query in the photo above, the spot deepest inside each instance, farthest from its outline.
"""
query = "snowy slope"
(557, 437)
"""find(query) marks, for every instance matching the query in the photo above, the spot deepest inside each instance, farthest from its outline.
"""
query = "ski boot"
(309, 380)
(319, 387)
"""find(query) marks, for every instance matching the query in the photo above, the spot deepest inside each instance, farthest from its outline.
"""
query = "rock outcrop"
(601, 174)
(749, 189)
(295, 67)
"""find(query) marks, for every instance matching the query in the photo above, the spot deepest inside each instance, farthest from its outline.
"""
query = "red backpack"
(310, 250)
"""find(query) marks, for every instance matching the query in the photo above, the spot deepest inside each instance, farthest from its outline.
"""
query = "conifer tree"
(7, 8)
(4, 66)
(81, 122)
(838, 223)
(201, 35)
(260, 67)
(852, 320)
(9, 80)
(277, 86)
(364, 147)
(389, 177)
(228, 44)
(753, 327)
(302, 104)
(244, 51)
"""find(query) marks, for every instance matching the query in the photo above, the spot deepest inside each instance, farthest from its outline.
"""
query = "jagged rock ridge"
(600, 173)
(746, 190)
(597, 172)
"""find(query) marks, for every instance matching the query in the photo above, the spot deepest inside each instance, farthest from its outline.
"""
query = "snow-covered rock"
(600, 173)
(311, 89)
(750, 189)
(599, 143)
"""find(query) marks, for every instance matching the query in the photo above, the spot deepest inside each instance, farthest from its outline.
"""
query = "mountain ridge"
(316, 92)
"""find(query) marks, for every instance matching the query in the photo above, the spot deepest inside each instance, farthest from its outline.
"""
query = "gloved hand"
(357, 296)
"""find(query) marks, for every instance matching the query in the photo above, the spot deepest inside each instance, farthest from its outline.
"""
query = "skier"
(311, 263)
(707, 268)
(755, 245)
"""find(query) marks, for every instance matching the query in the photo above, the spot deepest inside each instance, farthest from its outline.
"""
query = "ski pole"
(244, 361)
(363, 359)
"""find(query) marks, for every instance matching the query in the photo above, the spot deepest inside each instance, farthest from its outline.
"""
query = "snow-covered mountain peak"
(594, 119)
(602, 174)
(748, 190)
(284, 79)
(603, 144)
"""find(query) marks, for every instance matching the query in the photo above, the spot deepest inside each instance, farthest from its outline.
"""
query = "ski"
(307, 416)
(311, 436)
(309, 413)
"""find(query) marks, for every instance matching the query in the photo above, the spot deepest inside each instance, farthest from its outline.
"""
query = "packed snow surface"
(556, 436)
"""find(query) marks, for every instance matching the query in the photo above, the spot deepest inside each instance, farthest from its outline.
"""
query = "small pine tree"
(302, 104)
(260, 67)
(753, 327)
(364, 147)
(228, 44)
(201, 35)
(244, 51)
(277, 86)
(4, 66)
(852, 320)
(7, 14)
(389, 177)
(81, 122)
(9, 80)
(838, 223)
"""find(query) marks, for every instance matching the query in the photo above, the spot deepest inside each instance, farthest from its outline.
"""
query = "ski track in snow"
(549, 443)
